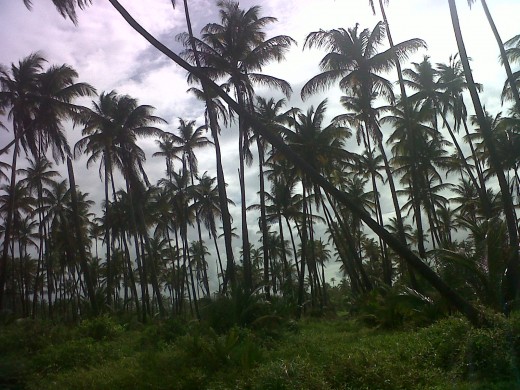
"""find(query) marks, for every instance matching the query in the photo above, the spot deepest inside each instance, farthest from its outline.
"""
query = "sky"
(110, 55)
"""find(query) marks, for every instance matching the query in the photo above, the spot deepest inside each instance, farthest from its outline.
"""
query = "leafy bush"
(100, 328)
(444, 342)
(241, 309)
(395, 307)
(285, 374)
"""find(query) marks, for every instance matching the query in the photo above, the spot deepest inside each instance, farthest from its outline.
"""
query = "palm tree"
(503, 55)
(452, 81)
(168, 151)
(188, 140)
(99, 140)
(111, 130)
(67, 8)
(418, 151)
(38, 174)
(237, 49)
(214, 110)
(269, 112)
(322, 147)
(16, 89)
(512, 284)
(207, 204)
(38, 102)
(355, 62)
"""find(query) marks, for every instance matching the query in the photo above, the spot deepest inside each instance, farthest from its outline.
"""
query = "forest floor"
(104, 353)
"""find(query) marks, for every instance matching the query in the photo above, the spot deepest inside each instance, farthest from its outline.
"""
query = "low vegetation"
(271, 352)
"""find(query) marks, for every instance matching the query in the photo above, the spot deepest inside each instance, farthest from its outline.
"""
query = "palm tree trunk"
(79, 239)
(133, 285)
(246, 255)
(205, 280)
(263, 218)
(223, 199)
(503, 56)
(513, 266)
(293, 246)
(195, 303)
(366, 285)
(303, 259)
(108, 243)
(481, 190)
(9, 218)
(287, 270)
(350, 268)
(399, 219)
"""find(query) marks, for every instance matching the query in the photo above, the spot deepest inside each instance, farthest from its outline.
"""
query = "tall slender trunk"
(263, 217)
(133, 285)
(287, 269)
(404, 99)
(9, 218)
(79, 240)
(199, 231)
(512, 282)
(293, 246)
(503, 56)
(246, 255)
(303, 259)
(194, 294)
(108, 242)
(223, 199)
(365, 283)
(219, 263)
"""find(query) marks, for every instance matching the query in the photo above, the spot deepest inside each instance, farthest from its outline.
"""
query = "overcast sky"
(108, 54)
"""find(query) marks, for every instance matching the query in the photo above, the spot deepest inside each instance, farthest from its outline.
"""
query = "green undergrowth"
(104, 353)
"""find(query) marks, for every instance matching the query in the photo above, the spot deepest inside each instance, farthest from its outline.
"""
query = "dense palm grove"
(452, 176)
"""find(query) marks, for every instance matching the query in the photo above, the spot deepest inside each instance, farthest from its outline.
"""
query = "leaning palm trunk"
(226, 216)
(473, 315)
(503, 55)
(357, 268)
(512, 281)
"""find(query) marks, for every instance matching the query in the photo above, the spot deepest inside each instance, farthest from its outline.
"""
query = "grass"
(312, 354)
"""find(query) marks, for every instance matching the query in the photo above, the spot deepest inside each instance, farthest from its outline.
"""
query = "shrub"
(100, 328)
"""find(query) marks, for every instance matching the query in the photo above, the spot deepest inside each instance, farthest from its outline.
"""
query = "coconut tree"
(322, 146)
(503, 55)
(214, 111)
(512, 284)
(38, 175)
(270, 112)
(353, 60)
(67, 8)
(237, 49)
(99, 142)
(452, 82)
(37, 102)
(111, 130)
(207, 204)
(187, 141)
